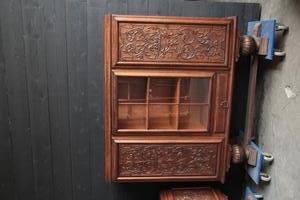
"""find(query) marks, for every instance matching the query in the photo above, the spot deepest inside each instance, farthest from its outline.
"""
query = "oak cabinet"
(167, 97)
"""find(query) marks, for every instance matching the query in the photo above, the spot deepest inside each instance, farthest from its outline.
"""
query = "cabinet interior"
(163, 103)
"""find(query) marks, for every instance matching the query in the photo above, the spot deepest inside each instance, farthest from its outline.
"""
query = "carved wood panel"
(154, 159)
(192, 194)
(172, 42)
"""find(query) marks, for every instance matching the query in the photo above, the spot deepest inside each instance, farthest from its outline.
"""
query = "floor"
(279, 106)
(279, 121)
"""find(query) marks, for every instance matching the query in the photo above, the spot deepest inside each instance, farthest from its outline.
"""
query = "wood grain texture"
(137, 7)
(157, 7)
(38, 101)
(95, 12)
(6, 161)
(58, 98)
(18, 106)
(117, 6)
(107, 98)
(57, 26)
(192, 194)
(76, 19)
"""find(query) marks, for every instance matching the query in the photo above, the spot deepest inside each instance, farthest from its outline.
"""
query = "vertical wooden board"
(6, 173)
(137, 7)
(19, 121)
(57, 75)
(199, 8)
(158, 7)
(76, 19)
(95, 24)
(251, 11)
(176, 7)
(236, 9)
(196, 9)
(217, 9)
(117, 6)
(36, 73)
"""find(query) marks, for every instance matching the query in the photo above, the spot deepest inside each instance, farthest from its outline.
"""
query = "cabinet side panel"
(107, 96)
(232, 62)
(221, 103)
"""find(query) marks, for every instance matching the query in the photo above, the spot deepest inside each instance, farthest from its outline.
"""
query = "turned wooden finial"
(237, 154)
(247, 45)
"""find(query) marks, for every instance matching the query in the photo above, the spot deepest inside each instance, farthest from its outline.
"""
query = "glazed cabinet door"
(155, 102)
(167, 100)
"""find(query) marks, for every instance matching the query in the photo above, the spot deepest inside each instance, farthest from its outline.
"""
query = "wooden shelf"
(160, 104)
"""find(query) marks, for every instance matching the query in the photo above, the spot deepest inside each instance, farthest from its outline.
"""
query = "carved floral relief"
(194, 195)
(172, 42)
(167, 159)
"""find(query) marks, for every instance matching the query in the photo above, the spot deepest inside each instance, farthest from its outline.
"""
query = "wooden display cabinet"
(167, 97)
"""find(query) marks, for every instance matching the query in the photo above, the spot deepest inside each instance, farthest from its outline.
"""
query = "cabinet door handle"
(224, 104)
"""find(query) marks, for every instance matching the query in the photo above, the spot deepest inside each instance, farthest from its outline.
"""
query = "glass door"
(132, 103)
(194, 103)
(163, 103)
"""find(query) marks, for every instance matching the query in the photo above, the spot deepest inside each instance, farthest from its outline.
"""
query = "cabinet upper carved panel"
(166, 42)
(150, 42)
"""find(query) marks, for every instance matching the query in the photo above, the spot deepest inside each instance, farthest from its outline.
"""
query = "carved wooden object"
(192, 194)
(167, 97)
(172, 43)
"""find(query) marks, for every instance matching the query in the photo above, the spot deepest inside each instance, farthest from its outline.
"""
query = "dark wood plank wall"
(6, 178)
(51, 142)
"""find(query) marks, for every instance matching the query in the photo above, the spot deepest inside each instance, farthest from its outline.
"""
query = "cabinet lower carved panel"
(192, 194)
(176, 159)
(167, 160)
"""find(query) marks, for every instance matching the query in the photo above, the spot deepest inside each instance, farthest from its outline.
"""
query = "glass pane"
(193, 117)
(162, 90)
(194, 90)
(132, 89)
(163, 103)
(132, 92)
(162, 116)
(132, 116)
